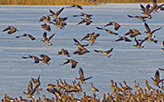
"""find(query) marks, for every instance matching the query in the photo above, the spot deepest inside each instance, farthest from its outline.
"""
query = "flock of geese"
(62, 89)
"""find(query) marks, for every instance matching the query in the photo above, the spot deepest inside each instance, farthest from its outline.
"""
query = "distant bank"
(70, 2)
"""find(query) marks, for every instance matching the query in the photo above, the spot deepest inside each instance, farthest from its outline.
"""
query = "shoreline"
(70, 2)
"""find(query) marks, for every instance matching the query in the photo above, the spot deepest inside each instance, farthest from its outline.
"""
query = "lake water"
(127, 63)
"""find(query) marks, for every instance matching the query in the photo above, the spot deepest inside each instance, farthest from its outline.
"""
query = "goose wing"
(51, 36)
(45, 57)
(97, 50)
(81, 73)
(82, 21)
(74, 63)
(59, 11)
(142, 8)
(129, 32)
(119, 39)
(13, 30)
(30, 87)
(136, 41)
(131, 16)
(157, 77)
(147, 8)
(151, 9)
(52, 12)
(66, 62)
(127, 39)
(144, 40)
(19, 36)
(162, 69)
(45, 35)
(78, 6)
(32, 91)
(31, 37)
(87, 36)
(7, 28)
(100, 28)
(96, 35)
(154, 3)
(110, 23)
(117, 26)
(155, 30)
(147, 27)
(108, 51)
(35, 58)
(76, 41)
(88, 78)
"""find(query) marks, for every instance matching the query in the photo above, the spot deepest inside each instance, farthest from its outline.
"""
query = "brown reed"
(69, 2)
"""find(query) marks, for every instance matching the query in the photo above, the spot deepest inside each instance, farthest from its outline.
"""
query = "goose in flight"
(123, 38)
(85, 20)
(116, 25)
(82, 78)
(133, 33)
(139, 17)
(76, 6)
(30, 90)
(148, 10)
(92, 37)
(156, 79)
(46, 27)
(157, 6)
(94, 89)
(64, 52)
(45, 58)
(84, 14)
(46, 39)
(139, 44)
(36, 82)
(149, 32)
(73, 62)
(55, 15)
(109, 31)
(107, 53)
(11, 29)
(26, 35)
(36, 59)
(46, 19)
(81, 48)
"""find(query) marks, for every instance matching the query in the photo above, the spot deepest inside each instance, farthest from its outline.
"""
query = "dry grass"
(69, 2)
